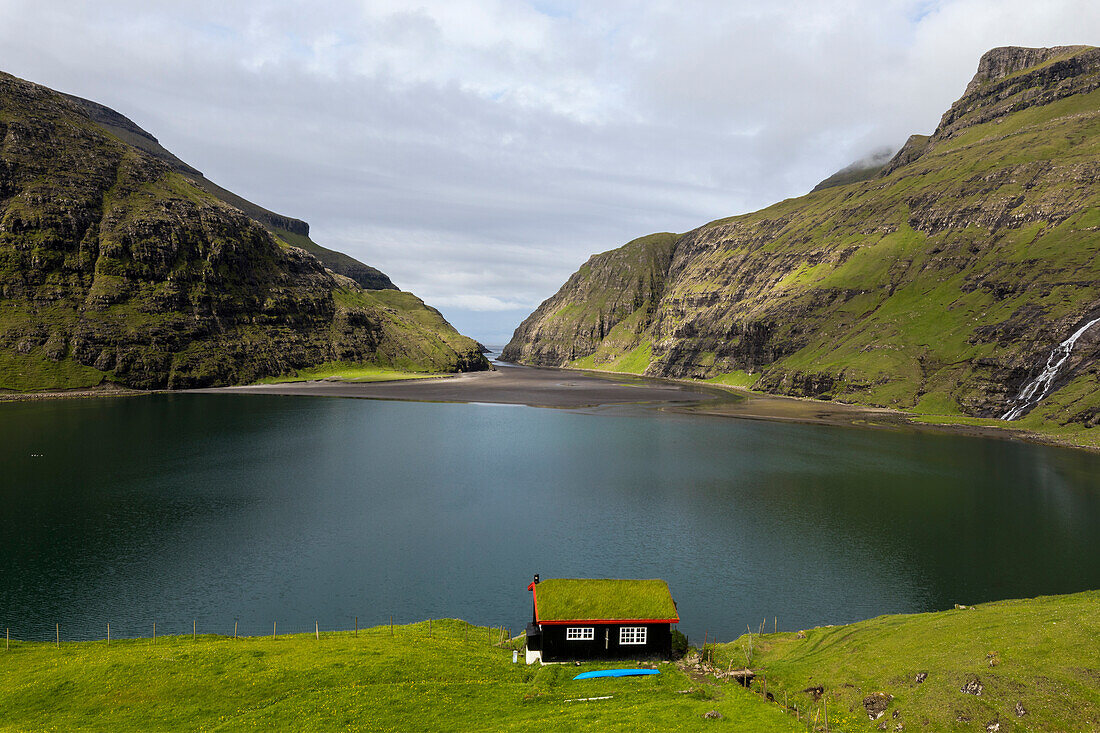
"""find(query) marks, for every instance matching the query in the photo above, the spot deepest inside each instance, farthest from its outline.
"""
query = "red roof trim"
(534, 594)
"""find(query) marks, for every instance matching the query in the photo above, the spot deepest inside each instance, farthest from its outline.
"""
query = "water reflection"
(215, 507)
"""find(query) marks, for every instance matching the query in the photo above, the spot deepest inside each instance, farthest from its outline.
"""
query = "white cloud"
(479, 303)
(479, 150)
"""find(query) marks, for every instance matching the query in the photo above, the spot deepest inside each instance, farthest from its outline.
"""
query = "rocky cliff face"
(941, 285)
(290, 230)
(623, 285)
(115, 266)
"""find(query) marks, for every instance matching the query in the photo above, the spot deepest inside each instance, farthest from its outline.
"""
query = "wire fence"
(452, 629)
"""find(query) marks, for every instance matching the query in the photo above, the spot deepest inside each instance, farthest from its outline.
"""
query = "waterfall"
(1035, 390)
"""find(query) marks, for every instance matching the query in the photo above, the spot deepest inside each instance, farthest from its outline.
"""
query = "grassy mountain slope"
(606, 305)
(940, 286)
(1034, 663)
(862, 170)
(288, 229)
(115, 267)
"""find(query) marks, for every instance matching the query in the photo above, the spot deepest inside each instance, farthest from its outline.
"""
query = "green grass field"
(1042, 653)
(457, 680)
(348, 373)
(1038, 656)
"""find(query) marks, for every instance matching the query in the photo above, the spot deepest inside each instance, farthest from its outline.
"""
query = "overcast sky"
(478, 151)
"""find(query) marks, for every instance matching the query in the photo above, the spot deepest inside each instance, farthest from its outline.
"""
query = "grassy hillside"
(116, 267)
(365, 276)
(1036, 663)
(605, 305)
(939, 287)
(454, 680)
(1033, 662)
(291, 231)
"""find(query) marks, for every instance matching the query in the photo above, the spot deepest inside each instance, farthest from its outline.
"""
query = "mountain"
(120, 263)
(288, 229)
(947, 283)
(862, 170)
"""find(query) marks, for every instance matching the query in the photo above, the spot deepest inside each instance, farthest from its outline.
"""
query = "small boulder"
(973, 686)
(800, 635)
(1021, 711)
(921, 677)
(993, 726)
(713, 715)
(876, 705)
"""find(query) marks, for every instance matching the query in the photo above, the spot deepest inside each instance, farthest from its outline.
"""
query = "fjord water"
(257, 509)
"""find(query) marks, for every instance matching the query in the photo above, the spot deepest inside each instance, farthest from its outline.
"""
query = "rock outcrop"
(602, 305)
(116, 266)
(288, 229)
(939, 285)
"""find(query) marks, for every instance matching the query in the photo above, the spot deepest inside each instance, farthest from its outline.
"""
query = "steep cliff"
(115, 266)
(942, 285)
(288, 229)
(605, 305)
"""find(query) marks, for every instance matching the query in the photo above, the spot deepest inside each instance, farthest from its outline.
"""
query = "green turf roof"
(574, 599)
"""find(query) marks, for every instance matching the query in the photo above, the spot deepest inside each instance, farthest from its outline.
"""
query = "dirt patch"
(876, 704)
(973, 686)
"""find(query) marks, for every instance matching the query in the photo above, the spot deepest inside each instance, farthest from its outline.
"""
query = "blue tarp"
(615, 673)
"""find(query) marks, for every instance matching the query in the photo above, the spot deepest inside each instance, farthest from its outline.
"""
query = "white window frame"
(580, 633)
(632, 635)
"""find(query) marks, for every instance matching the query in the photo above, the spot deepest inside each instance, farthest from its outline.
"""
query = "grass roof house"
(580, 619)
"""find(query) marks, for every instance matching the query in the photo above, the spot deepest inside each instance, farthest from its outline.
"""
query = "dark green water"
(256, 508)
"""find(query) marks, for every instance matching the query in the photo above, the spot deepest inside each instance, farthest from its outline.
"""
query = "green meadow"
(461, 678)
(348, 372)
(1022, 665)
(1028, 665)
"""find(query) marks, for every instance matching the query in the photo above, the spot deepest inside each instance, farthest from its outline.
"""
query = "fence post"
(274, 625)
(194, 624)
(317, 630)
(108, 633)
(356, 627)
(57, 628)
(154, 633)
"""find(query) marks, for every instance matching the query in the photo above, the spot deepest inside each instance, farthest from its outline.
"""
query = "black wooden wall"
(605, 645)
